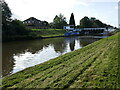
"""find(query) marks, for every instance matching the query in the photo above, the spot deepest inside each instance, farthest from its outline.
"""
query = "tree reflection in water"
(29, 53)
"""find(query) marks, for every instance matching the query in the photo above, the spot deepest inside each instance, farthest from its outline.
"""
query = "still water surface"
(19, 55)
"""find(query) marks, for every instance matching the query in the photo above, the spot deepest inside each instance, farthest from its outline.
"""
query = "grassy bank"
(94, 66)
(20, 38)
(49, 32)
(35, 34)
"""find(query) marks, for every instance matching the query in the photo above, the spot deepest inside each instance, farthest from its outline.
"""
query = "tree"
(93, 19)
(92, 23)
(11, 28)
(72, 20)
(85, 22)
(99, 23)
(6, 15)
(56, 22)
(59, 21)
(18, 28)
(6, 12)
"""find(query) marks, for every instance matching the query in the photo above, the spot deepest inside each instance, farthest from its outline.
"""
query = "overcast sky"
(104, 10)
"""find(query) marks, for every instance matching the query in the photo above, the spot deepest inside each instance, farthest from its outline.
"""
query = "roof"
(31, 18)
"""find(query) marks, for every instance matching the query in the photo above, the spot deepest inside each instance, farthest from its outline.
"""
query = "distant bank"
(40, 34)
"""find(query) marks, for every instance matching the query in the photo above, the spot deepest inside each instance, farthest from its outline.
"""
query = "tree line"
(92, 23)
(85, 22)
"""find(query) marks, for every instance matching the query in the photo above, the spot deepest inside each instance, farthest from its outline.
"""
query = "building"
(70, 27)
(35, 23)
(84, 31)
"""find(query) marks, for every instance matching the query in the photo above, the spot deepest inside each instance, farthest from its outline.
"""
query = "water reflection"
(86, 41)
(20, 55)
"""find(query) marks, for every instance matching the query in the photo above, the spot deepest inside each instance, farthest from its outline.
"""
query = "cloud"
(47, 9)
(116, 7)
(39, 8)
(105, 0)
(88, 1)
(83, 2)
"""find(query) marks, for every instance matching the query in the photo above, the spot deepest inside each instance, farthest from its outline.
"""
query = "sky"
(104, 10)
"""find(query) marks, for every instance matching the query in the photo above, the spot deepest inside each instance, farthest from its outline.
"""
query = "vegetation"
(49, 32)
(85, 23)
(59, 21)
(16, 30)
(93, 66)
(13, 29)
(72, 20)
(92, 23)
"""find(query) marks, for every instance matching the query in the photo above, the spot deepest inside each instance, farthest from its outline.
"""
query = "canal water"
(19, 55)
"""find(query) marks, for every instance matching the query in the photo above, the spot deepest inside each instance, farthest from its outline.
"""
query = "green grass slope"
(49, 32)
(94, 66)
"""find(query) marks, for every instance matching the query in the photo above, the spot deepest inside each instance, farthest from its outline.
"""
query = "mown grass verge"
(49, 32)
(93, 66)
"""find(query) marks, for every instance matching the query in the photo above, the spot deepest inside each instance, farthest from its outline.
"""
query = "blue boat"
(71, 33)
